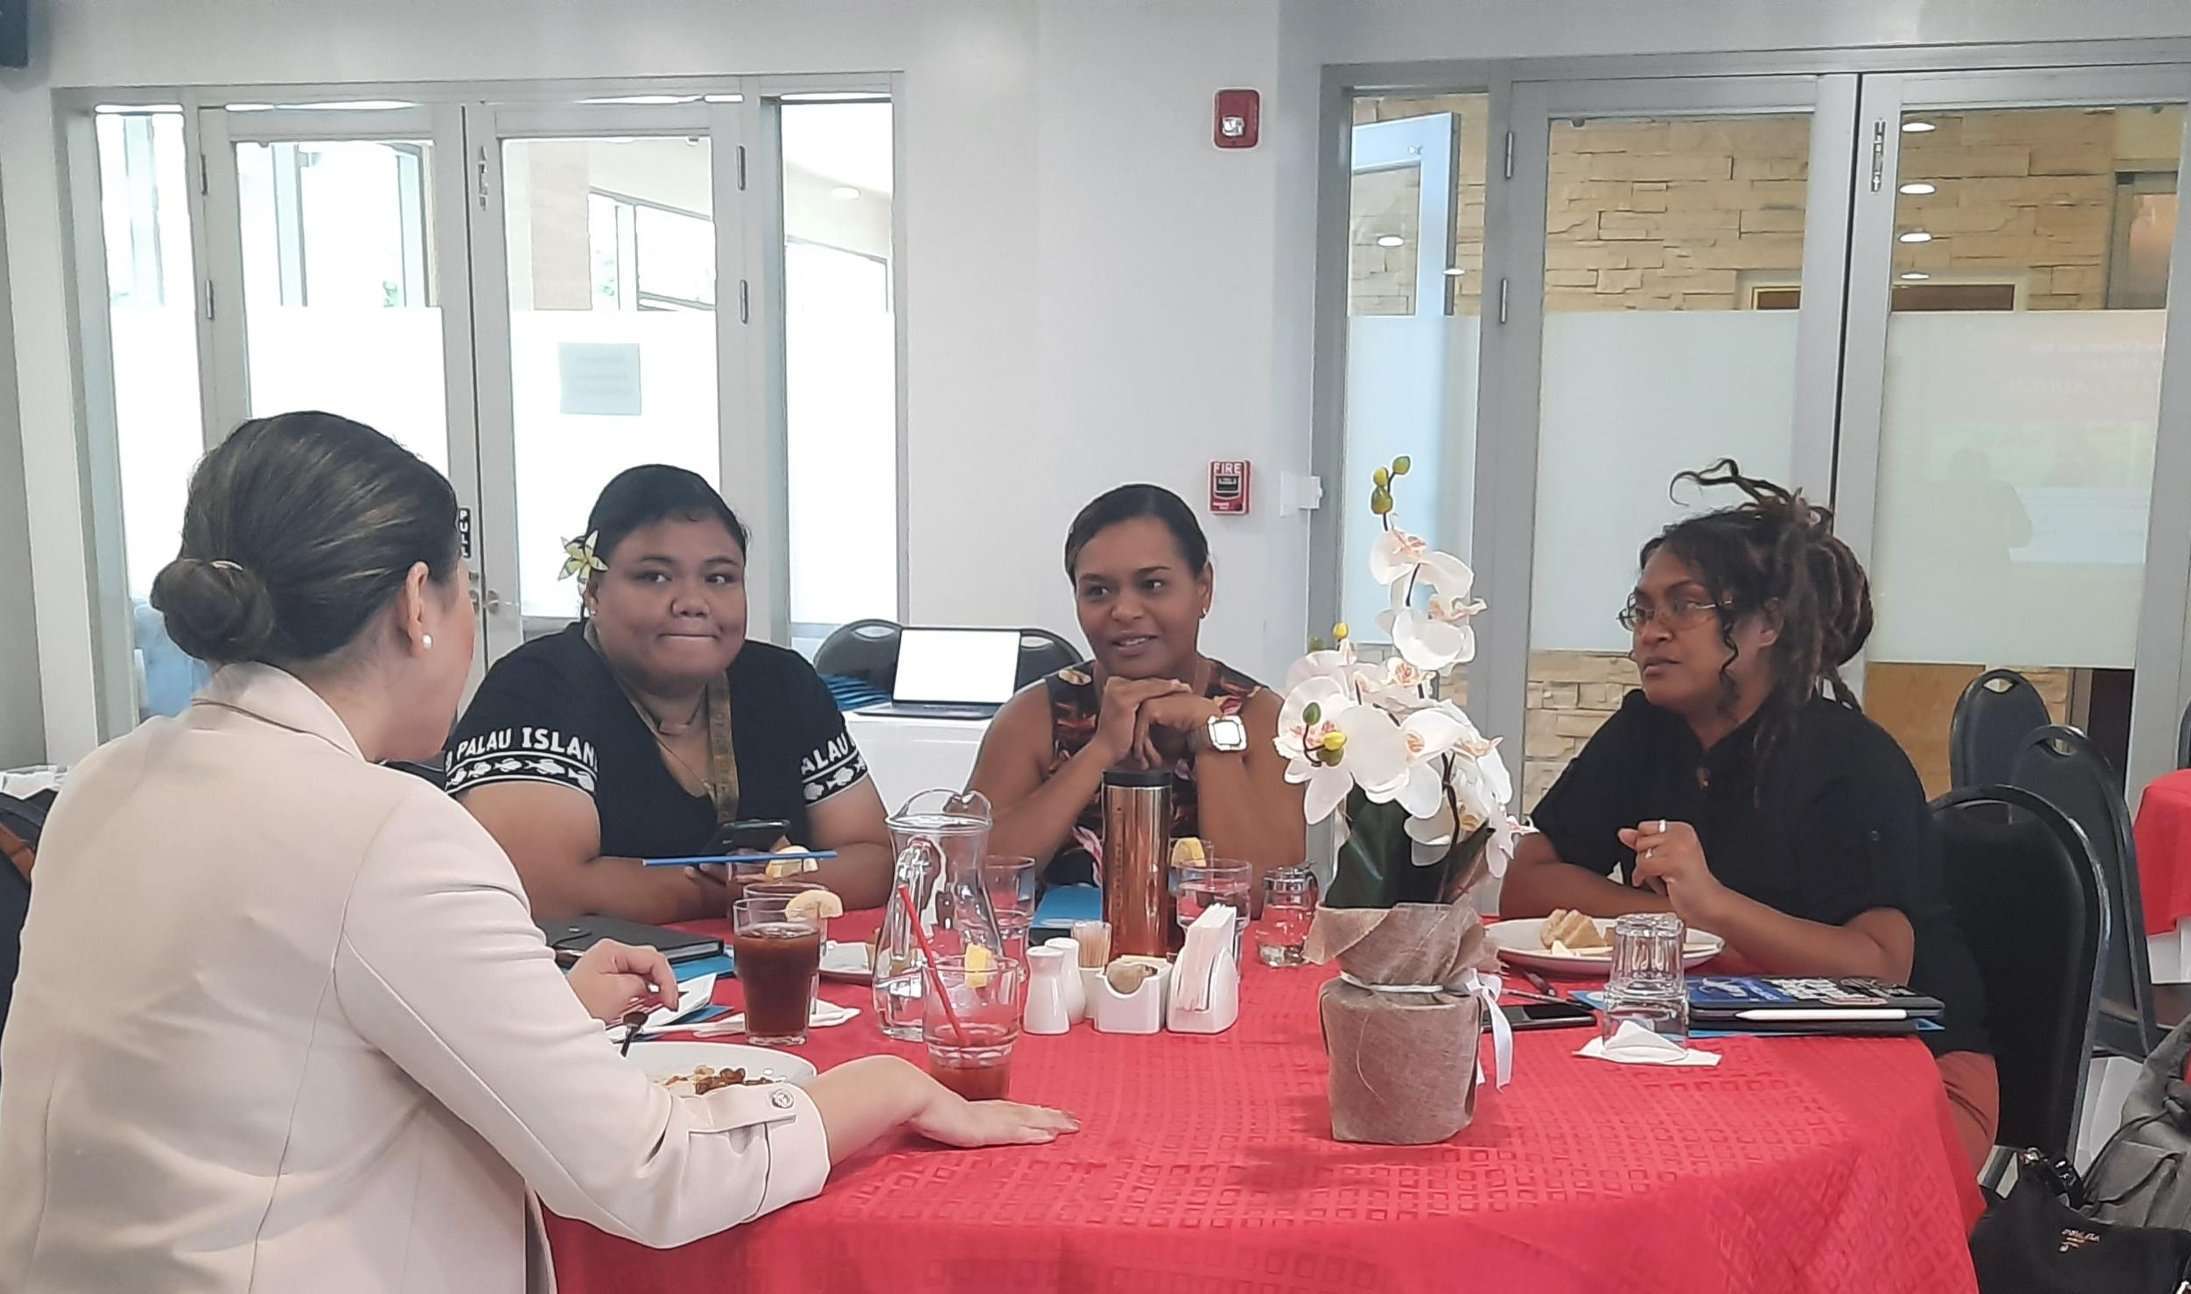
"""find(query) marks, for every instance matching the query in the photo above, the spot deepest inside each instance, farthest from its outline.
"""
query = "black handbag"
(2041, 1238)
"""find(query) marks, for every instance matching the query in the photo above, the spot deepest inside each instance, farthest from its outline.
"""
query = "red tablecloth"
(1207, 1164)
(2164, 852)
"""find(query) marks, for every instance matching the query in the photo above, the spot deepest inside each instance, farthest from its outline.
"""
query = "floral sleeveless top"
(1075, 707)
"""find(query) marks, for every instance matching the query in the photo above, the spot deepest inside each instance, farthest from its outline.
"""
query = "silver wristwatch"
(1228, 734)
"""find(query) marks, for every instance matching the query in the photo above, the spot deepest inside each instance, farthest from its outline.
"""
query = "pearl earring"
(428, 640)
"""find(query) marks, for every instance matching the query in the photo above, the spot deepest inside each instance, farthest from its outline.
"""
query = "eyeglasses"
(1680, 613)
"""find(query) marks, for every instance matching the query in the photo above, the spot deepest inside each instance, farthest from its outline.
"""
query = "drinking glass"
(971, 1025)
(778, 959)
(1648, 984)
(1197, 886)
(1010, 882)
(1289, 904)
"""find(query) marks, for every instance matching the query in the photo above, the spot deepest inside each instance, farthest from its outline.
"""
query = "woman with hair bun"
(1742, 787)
(284, 1021)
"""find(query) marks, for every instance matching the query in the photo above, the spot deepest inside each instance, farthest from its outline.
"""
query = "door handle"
(491, 602)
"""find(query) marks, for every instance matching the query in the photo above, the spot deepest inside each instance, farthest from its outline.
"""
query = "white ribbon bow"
(1485, 989)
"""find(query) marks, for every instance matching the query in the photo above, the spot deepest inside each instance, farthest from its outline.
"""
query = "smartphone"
(1524, 1016)
(749, 836)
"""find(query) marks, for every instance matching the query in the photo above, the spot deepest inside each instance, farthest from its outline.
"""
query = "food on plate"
(706, 1078)
(1188, 851)
(820, 905)
(1567, 931)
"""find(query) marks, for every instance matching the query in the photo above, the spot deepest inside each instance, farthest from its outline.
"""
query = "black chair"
(2183, 739)
(2027, 893)
(2058, 765)
(1992, 718)
(1042, 653)
(865, 649)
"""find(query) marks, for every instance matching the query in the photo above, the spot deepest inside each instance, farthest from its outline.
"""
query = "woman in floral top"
(1142, 583)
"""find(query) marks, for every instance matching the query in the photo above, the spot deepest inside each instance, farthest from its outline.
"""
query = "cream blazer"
(284, 1023)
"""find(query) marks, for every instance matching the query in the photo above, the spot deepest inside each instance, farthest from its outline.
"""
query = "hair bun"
(215, 610)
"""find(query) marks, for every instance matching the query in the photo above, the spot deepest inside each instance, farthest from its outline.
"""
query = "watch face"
(1228, 733)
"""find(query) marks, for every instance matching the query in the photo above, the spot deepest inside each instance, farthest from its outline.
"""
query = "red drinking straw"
(935, 977)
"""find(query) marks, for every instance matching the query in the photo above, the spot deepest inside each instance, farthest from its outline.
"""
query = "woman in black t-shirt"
(1744, 789)
(639, 730)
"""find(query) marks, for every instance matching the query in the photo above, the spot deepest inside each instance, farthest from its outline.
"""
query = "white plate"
(848, 960)
(1521, 942)
(662, 1059)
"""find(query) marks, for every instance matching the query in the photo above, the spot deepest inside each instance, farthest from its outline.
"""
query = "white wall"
(22, 722)
(1094, 293)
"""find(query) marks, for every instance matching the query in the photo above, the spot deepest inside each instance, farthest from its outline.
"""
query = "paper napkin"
(1632, 1044)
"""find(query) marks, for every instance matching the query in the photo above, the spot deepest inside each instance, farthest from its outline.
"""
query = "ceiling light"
(250, 107)
(725, 98)
(1453, 273)
(1918, 128)
(845, 193)
(350, 105)
(1391, 240)
(645, 100)
(1916, 236)
(1919, 189)
(1914, 276)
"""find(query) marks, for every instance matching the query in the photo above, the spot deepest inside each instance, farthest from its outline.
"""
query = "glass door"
(339, 274)
(2011, 470)
(595, 243)
(1674, 299)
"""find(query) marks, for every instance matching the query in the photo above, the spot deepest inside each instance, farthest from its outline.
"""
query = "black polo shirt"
(1838, 826)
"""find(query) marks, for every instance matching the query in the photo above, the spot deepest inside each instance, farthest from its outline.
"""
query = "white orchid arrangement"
(1361, 734)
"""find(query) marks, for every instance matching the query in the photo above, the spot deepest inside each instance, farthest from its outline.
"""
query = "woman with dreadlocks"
(1742, 787)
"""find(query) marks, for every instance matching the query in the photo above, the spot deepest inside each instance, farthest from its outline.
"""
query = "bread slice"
(1571, 930)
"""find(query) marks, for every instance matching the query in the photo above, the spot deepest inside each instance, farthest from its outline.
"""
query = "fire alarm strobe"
(1239, 114)
(1229, 486)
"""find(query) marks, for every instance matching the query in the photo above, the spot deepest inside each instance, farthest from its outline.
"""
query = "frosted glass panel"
(381, 367)
(1673, 259)
(2023, 360)
(2015, 466)
(565, 458)
(612, 333)
(1641, 397)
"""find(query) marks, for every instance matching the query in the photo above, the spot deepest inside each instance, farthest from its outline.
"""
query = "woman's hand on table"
(1118, 725)
(970, 1125)
(612, 978)
(1670, 860)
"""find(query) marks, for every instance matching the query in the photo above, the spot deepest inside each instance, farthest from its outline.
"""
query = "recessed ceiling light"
(1920, 188)
(1454, 272)
(844, 193)
(250, 107)
(1916, 236)
(1918, 128)
(1915, 276)
(724, 98)
(1391, 240)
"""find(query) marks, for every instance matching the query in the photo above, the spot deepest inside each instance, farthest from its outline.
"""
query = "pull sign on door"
(1229, 486)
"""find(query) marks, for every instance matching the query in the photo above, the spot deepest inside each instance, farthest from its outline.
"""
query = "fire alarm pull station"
(1229, 486)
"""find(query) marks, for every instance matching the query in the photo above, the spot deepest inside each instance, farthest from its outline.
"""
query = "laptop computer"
(953, 673)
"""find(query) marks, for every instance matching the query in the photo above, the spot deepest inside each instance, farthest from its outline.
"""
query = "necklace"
(664, 727)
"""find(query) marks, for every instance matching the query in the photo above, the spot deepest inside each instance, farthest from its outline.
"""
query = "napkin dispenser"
(1141, 1011)
(1205, 987)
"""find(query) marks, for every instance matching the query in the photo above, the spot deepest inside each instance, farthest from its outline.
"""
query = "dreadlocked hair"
(1776, 554)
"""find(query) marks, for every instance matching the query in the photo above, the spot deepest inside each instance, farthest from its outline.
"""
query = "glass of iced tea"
(778, 956)
(970, 1044)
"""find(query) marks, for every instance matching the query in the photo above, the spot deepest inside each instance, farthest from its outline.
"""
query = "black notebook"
(577, 935)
